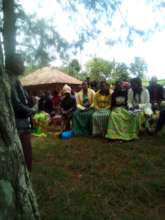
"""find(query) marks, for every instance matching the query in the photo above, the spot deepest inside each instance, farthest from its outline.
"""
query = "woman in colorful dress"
(102, 104)
(125, 124)
(121, 122)
(82, 117)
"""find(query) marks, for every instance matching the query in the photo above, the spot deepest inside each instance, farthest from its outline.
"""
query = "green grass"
(91, 179)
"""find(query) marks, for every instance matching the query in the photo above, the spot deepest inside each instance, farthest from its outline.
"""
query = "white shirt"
(142, 101)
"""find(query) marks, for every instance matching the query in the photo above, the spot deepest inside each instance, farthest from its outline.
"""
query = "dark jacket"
(119, 94)
(68, 103)
(21, 107)
(156, 93)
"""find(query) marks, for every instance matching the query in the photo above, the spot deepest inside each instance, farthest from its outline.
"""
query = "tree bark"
(9, 26)
(17, 200)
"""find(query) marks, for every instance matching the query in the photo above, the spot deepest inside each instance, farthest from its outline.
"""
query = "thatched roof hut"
(48, 78)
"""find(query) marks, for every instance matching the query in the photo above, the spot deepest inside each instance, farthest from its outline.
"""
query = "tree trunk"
(9, 26)
(17, 200)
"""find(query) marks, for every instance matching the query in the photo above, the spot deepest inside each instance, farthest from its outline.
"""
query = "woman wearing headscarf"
(102, 104)
(82, 118)
(68, 106)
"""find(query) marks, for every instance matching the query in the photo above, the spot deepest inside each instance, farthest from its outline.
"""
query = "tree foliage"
(98, 68)
(105, 11)
(120, 71)
(138, 68)
(73, 68)
(17, 200)
(36, 38)
(41, 43)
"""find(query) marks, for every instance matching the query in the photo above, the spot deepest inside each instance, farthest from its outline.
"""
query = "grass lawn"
(91, 179)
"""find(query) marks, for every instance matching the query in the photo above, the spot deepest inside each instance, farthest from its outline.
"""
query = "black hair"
(55, 92)
(138, 90)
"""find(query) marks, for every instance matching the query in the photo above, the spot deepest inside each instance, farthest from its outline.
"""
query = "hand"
(136, 107)
(34, 109)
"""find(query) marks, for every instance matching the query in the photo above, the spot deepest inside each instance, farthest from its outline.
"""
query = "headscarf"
(67, 89)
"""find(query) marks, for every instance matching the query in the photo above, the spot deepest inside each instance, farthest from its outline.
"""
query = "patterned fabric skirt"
(82, 122)
(124, 125)
(100, 122)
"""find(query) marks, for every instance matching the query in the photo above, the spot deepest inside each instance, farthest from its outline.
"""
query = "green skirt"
(82, 122)
(124, 125)
(100, 122)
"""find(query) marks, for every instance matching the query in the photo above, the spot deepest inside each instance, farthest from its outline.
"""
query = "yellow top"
(102, 101)
(79, 98)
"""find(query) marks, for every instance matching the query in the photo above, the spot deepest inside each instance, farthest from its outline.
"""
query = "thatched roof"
(48, 75)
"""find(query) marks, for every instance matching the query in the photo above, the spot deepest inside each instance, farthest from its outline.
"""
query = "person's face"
(84, 85)
(66, 94)
(103, 86)
(134, 85)
(19, 67)
(119, 86)
(154, 80)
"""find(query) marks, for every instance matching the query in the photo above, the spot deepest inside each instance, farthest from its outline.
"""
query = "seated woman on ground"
(139, 103)
(121, 122)
(125, 124)
(119, 96)
(68, 106)
(82, 117)
(102, 104)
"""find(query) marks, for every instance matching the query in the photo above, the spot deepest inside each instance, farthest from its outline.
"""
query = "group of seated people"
(97, 109)
(119, 113)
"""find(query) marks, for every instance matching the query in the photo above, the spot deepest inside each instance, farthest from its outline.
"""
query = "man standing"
(15, 67)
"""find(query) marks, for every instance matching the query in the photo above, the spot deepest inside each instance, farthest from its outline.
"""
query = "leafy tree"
(105, 10)
(120, 71)
(98, 67)
(74, 64)
(9, 26)
(40, 42)
(73, 68)
(36, 38)
(138, 67)
(17, 200)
